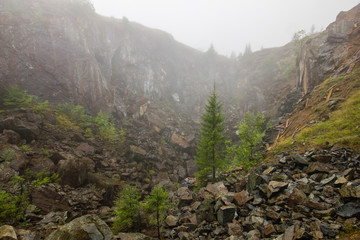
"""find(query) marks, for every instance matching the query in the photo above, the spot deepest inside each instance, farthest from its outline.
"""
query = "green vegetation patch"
(342, 128)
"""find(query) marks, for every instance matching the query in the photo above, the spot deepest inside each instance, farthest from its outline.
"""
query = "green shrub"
(157, 204)
(46, 153)
(7, 154)
(41, 107)
(127, 209)
(13, 204)
(25, 148)
(15, 97)
(88, 133)
(106, 129)
(75, 113)
(250, 132)
(65, 123)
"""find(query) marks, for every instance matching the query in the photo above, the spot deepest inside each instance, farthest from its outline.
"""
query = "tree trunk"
(213, 173)
(158, 222)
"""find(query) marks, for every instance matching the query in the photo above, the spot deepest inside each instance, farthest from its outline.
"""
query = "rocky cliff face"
(325, 52)
(62, 50)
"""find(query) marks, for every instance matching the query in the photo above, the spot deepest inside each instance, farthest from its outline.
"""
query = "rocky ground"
(310, 196)
(91, 172)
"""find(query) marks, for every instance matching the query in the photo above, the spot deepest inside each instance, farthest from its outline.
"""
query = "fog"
(228, 24)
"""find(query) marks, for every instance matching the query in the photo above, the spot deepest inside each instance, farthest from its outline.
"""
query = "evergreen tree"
(127, 209)
(250, 132)
(212, 146)
(157, 203)
(15, 97)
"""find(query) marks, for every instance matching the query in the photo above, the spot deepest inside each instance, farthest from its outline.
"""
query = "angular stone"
(171, 221)
(275, 186)
(181, 171)
(318, 167)
(26, 130)
(348, 210)
(7, 232)
(226, 214)
(48, 200)
(9, 136)
(185, 196)
(341, 180)
(350, 190)
(85, 148)
(184, 235)
(328, 231)
(205, 211)
(312, 204)
(38, 164)
(17, 160)
(254, 235)
(269, 170)
(289, 233)
(217, 189)
(254, 180)
(73, 172)
(269, 229)
(179, 140)
(272, 214)
(26, 234)
(235, 229)
(83, 228)
(328, 180)
(191, 168)
(300, 160)
(241, 198)
(322, 158)
(297, 197)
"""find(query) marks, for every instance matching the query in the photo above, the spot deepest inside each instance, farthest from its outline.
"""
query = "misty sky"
(228, 24)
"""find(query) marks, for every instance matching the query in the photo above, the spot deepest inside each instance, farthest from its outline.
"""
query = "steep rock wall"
(323, 53)
(67, 52)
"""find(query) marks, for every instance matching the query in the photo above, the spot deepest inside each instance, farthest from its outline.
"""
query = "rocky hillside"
(310, 196)
(155, 88)
(324, 53)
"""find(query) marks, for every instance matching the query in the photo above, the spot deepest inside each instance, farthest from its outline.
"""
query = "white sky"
(228, 24)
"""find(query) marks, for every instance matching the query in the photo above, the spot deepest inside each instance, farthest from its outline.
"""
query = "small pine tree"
(212, 146)
(250, 132)
(127, 209)
(15, 97)
(157, 203)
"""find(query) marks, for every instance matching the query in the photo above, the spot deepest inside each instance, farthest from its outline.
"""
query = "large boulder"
(42, 163)
(109, 185)
(7, 232)
(9, 136)
(14, 157)
(88, 227)
(48, 200)
(73, 172)
(25, 129)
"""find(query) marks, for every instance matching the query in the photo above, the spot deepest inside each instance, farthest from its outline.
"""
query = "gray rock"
(88, 227)
(348, 210)
(300, 160)
(73, 172)
(171, 220)
(226, 214)
(289, 233)
(328, 231)
(254, 235)
(7, 232)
